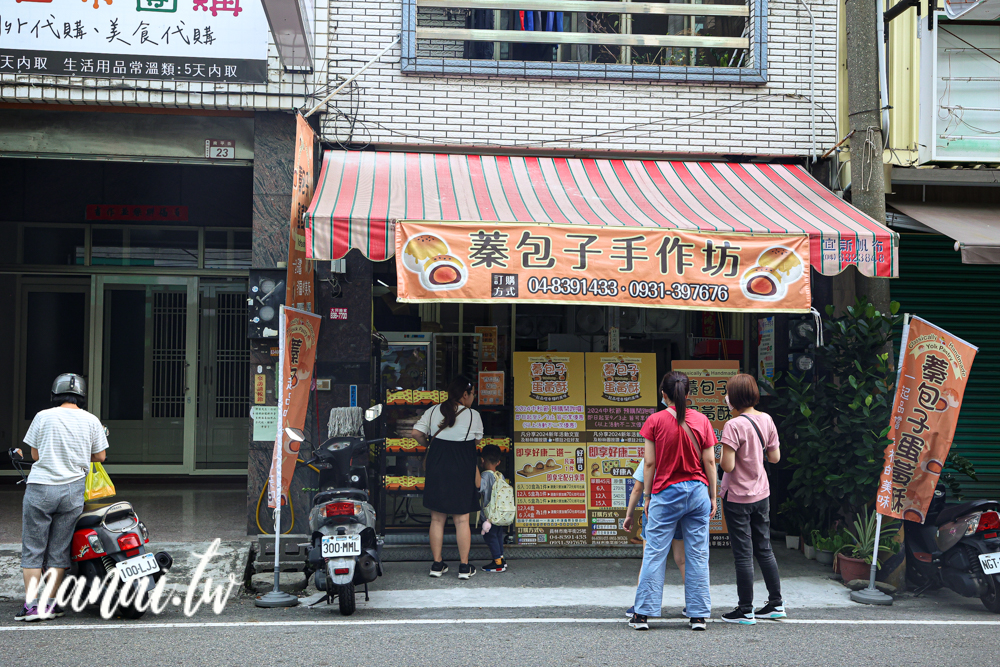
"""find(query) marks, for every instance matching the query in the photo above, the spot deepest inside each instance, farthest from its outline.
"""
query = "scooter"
(109, 537)
(957, 547)
(345, 552)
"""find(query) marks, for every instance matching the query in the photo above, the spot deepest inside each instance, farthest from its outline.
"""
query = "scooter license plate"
(339, 546)
(140, 566)
(990, 563)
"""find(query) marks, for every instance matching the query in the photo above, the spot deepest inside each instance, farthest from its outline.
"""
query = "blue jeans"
(684, 504)
(494, 540)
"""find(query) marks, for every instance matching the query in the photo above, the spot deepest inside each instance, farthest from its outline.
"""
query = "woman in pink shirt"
(747, 439)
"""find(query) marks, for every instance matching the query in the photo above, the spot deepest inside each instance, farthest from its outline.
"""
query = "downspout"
(883, 76)
(812, 77)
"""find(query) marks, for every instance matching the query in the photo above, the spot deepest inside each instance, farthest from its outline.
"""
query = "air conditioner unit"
(590, 320)
(632, 321)
(537, 326)
(664, 320)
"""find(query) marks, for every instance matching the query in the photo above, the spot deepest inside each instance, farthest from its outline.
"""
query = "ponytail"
(449, 409)
(675, 386)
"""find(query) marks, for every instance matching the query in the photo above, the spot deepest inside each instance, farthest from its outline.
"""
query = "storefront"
(570, 286)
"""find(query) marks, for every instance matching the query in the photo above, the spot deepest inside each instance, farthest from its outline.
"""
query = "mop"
(345, 423)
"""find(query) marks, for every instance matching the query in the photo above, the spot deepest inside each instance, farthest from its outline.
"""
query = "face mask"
(728, 404)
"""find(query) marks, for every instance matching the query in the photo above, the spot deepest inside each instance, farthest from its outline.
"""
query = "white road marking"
(43, 627)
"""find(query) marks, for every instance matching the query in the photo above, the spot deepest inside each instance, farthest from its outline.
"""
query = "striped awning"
(361, 194)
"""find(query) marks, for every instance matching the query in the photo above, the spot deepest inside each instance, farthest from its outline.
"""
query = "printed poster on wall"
(216, 41)
(620, 266)
(489, 344)
(934, 368)
(765, 349)
(707, 382)
(549, 448)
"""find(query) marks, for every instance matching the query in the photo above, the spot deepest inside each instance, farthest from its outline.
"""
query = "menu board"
(549, 448)
(707, 382)
(621, 394)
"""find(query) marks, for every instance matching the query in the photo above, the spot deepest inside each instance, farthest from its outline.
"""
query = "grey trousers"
(48, 518)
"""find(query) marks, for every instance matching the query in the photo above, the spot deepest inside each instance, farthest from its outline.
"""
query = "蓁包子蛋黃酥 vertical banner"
(299, 291)
(622, 266)
(707, 382)
(933, 371)
(621, 395)
(549, 448)
(298, 333)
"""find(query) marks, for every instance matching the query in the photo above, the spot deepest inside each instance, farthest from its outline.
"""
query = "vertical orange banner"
(708, 381)
(297, 337)
(299, 285)
(933, 371)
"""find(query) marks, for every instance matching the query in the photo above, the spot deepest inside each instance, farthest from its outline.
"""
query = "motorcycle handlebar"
(375, 441)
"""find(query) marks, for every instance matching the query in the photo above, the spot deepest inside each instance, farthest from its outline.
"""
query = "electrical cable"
(290, 505)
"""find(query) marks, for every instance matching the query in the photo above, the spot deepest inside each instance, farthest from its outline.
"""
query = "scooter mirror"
(294, 434)
(373, 413)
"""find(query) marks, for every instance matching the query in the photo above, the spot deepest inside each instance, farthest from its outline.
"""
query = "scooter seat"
(94, 513)
(344, 493)
(953, 512)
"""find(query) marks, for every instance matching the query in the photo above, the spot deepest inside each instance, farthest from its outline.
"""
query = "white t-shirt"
(65, 439)
(468, 425)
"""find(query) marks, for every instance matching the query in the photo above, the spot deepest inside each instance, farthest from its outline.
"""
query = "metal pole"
(353, 77)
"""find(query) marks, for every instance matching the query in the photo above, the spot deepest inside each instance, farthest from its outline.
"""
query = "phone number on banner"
(637, 289)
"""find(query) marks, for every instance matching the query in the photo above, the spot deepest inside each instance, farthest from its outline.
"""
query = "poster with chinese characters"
(765, 349)
(644, 267)
(549, 448)
(621, 390)
(934, 368)
(491, 389)
(215, 41)
(612, 458)
(489, 344)
(707, 383)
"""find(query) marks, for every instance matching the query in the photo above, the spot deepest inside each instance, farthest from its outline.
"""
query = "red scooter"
(109, 537)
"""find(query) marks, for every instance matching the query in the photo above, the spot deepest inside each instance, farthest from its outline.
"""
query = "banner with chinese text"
(215, 41)
(298, 332)
(933, 371)
(622, 266)
(299, 285)
(549, 448)
(707, 383)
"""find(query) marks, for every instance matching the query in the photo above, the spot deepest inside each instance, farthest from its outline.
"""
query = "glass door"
(145, 350)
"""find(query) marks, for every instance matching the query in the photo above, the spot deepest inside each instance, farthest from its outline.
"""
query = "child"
(489, 459)
(636, 499)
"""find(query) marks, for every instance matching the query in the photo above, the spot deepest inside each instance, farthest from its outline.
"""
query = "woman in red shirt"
(680, 462)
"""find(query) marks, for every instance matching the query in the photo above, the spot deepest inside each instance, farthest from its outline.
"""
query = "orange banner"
(299, 285)
(297, 337)
(933, 371)
(627, 266)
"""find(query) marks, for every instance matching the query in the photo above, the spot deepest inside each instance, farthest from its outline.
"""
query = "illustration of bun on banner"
(776, 269)
(428, 256)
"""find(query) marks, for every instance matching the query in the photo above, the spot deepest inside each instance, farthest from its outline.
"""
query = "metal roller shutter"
(961, 298)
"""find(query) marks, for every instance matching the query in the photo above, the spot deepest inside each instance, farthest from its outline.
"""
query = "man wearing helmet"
(64, 440)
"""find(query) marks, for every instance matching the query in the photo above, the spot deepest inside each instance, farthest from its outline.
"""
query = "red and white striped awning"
(361, 194)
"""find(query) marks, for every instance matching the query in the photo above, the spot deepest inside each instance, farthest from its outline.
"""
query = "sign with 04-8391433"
(339, 546)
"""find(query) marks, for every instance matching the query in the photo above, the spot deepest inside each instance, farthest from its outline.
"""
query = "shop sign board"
(488, 344)
(621, 266)
(549, 448)
(216, 41)
(491, 388)
(934, 368)
(707, 383)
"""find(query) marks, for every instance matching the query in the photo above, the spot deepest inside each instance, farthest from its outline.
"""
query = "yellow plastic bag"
(98, 484)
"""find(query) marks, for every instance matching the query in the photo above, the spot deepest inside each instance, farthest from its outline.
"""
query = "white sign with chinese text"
(196, 40)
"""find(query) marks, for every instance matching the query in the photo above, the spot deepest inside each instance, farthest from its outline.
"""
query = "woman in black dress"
(450, 432)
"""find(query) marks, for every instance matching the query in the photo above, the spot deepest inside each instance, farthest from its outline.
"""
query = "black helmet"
(69, 383)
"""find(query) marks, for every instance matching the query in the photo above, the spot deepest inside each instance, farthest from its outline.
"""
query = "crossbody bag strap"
(438, 432)
(687, 429)
(760, 436)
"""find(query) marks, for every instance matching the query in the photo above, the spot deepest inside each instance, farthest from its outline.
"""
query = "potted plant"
(810, 549)
(826, 547)
(855, 556)
(792, 520)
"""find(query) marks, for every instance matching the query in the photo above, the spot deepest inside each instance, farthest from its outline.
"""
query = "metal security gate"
(934, 284)
(224, 377)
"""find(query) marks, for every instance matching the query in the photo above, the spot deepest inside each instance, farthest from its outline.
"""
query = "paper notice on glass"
(265, 422)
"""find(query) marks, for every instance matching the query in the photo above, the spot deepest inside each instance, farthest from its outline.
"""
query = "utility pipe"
(812, 77)
(883, 77)
(353, 77)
